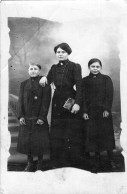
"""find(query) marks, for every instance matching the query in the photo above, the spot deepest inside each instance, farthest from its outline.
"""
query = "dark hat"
(36, 64)
(63, 46)
(94, 60)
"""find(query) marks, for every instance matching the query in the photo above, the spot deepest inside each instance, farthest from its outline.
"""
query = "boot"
(96, 167)
(112, 165)
(39, 164)
(111, 161)
(29, 167)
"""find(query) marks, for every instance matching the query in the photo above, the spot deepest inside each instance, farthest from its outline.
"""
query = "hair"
(63, 46)
(94, 60)
(36, 64)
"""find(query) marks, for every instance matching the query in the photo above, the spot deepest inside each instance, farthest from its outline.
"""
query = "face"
(61, 54)
(95, 68)
(33, 71)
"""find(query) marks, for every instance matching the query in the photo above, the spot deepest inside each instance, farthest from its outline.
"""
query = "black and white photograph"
(63, 97)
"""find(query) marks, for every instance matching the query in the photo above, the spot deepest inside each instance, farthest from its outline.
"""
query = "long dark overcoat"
(34, 102)
(66, 128)
(98, 97)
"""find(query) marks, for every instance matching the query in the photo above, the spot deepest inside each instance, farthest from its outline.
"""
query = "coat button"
(35, 97)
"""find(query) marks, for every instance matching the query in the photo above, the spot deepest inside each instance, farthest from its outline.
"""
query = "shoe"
(97, 165)
(29, 167)
(96, 168)
(112, 165)
(39, 165)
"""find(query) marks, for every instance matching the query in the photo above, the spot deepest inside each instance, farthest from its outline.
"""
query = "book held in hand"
(69, 104)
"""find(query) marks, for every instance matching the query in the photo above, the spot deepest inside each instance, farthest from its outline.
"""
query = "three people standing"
(90, 104)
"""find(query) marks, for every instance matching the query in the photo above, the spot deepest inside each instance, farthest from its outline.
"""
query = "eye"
(60, 52)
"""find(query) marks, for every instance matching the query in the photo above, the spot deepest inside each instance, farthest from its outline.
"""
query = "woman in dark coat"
(34, 103)
(97, 103)
(66, 125)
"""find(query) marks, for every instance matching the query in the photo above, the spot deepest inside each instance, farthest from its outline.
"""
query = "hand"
(85, 116)
(40, 122)
(43, 81)
(105, 114)
(75, 108)
(22, 121)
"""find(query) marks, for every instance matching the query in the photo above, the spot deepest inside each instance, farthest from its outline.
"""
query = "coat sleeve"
(84, 96)
(109, 90)
(78, 82)
(20, 102)
(50, 75)
(45, 103)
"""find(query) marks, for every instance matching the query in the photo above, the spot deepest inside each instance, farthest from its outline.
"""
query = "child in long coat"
(34, 102)
(97, 103)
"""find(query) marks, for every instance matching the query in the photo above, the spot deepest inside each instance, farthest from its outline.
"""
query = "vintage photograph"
(64, 89)
(83, 134)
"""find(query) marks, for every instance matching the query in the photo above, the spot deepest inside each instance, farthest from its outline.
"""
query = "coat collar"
(33, 83)
(34, 78)
(95, 76)
(63, 63)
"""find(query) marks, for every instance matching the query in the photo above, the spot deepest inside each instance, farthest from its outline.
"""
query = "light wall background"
(33, 39)
(98, 28)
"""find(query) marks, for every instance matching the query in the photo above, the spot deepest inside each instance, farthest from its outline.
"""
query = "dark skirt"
(66, 133)
(98, 132)
(67, 140)
(33, 138)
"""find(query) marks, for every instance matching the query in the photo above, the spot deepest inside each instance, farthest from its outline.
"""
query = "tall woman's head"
(62, 51)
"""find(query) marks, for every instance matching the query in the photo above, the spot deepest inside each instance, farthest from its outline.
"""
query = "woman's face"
(61, 54)
(95, 68)
(33, 71)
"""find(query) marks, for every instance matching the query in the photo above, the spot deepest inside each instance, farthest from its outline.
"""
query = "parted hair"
(94, 60)
(63, 46)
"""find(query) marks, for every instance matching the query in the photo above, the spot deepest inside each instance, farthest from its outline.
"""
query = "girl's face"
(95, 68)
(61, 54)
(33, 71)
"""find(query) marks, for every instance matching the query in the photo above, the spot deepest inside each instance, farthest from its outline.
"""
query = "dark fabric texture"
(33, 139)
(66, 128)
(34, 102)
(64, 78)
(98, 97)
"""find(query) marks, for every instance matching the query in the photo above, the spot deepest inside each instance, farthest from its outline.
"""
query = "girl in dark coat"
(97, 103)
(34, 103)
(66, 125)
